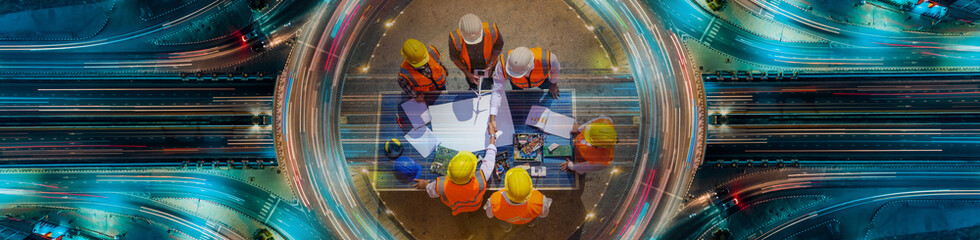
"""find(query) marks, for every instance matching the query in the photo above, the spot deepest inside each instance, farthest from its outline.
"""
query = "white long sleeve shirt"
(585, 167)
(486, 166)
(499, 82)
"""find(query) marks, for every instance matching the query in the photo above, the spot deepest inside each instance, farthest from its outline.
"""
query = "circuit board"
(560, 151)
(440, 160)
(528, 146)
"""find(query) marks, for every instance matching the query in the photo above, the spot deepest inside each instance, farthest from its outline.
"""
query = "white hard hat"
(471, 28)
(520, 61)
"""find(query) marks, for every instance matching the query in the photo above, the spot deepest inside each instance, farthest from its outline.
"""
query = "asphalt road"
(144, 120)
(846, 194)
(652, 34)
(135, 194)
(859, 126)
(131, 48)
(844, 46)
(845, 118)
(309, 127)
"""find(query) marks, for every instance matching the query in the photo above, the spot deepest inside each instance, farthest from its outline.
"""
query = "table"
(519, 101)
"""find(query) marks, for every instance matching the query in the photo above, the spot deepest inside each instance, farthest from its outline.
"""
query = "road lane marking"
(273, 209)
(706, 29)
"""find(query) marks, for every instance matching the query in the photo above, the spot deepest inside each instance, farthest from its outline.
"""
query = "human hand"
(473, 79)
(553, 89)
(564, 165)
(492, 125)
(420, 97)
(420, 183)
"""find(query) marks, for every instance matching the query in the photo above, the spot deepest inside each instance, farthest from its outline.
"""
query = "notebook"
(417, 113)
(550, 122)
(422, 140)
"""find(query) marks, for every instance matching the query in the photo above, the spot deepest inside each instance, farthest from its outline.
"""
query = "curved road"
(133, 194)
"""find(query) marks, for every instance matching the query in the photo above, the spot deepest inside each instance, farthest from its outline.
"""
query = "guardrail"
(758, 75)
(750, 163)
(227, 77)
(751, 75)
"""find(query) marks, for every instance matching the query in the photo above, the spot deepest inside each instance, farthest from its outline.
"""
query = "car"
(721, 192)
(730, 205)
(261, 120)
(258, 47)
(718, 119)
(250, 36)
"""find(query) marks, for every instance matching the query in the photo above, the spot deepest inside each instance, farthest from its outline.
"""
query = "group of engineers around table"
(456, 144)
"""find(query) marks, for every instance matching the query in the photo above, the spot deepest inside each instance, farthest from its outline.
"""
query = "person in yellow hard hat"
(421, 71)
(463, 186)
(518, 203)
(595, 144)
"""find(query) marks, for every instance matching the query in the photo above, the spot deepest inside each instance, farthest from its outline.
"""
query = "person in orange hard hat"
(518, 203)
(421, 71)
(474, 48)
(524, 68)
(595, 144)
(463, 186)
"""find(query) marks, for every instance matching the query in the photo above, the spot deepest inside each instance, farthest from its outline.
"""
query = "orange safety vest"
(540, 73)
(420, 82)
(593, 154)
(462, 198)
(489, 39)
(517, 214)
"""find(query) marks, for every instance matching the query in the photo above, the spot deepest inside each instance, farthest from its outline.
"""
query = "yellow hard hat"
(462, 167)
(601, 134)
(517, 184)
(415, 53)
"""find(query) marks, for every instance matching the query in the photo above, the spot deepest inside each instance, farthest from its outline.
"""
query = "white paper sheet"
(550, 122)
(462, 125)
(559, 125)
(417, 112)
(422, 140)
(535, 114)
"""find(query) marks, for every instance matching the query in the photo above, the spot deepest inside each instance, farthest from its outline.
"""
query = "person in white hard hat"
(524, 68)
(474, 48)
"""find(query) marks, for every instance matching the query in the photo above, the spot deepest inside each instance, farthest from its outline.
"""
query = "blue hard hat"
(393, 148)
(407, 169)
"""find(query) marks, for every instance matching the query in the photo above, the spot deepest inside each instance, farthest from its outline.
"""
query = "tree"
(264, 234)
(722, 234)
(716, 5)
(258, 5)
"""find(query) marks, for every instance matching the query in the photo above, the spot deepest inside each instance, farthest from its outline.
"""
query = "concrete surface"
(224, 21)
(552, 24)
(881, 14)
(60, 23)
(221, 215)
(899, 218)
(737, 15)
(97, 223)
